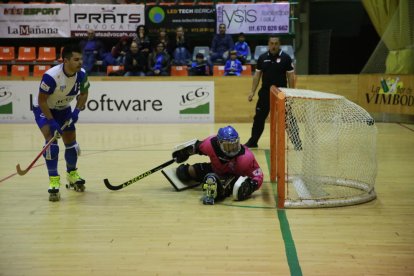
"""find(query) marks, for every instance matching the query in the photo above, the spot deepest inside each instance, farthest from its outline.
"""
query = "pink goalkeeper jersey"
(241, 165)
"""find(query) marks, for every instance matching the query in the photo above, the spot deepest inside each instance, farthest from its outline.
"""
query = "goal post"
(322, 149)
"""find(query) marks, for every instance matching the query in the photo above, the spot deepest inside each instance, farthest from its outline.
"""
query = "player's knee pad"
(201, 170)
(52, 152)
(214, 179)
(183, 173)
(74, 146)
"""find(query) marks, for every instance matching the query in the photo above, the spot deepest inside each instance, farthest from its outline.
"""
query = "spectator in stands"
(199, 67)
(92, 50)
(142, 39)
(233, 66)
(135, 61)
(163, 37)
(120, 50)
(221, 45)
(242, 48)
(179, 48)
(159, 61)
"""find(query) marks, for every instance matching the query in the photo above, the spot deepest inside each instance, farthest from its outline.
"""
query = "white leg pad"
(178, 185)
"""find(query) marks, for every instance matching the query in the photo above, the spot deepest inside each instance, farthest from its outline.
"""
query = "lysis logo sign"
(238, 16)
(194, 102)
(6, 104)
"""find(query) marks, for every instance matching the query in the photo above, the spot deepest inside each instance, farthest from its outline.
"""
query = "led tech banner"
(194, 19)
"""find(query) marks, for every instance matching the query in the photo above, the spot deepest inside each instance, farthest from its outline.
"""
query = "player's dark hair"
(274, 36)
(139, 27)
(70, 49)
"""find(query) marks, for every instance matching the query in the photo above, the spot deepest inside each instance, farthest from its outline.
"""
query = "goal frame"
(278, 164)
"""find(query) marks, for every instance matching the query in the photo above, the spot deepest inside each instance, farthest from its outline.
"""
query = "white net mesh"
(394, 22)
(330, 150)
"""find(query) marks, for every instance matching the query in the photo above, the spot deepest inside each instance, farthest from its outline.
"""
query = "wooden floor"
(149, 229)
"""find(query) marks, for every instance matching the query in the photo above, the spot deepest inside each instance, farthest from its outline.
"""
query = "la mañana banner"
(254, 18)
(34, 20)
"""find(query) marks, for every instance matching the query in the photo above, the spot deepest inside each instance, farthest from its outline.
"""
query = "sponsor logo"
(390, 85)
(106, 103)
(106, 16)
(44, 86)
(195, 102)
(239, 16)
(31, 11)
(107, 22)
(156, 15)
(390, 91)
(6, 103)
(31, 30)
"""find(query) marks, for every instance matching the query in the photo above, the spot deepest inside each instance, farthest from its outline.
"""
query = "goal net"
(323, 149)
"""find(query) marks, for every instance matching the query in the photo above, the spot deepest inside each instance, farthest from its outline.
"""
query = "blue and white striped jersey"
(62, 89)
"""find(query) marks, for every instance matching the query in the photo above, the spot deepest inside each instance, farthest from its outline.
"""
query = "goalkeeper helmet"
(229, 141)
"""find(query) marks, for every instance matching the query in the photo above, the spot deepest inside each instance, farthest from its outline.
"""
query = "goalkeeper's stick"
(54, 138)
(137, 178)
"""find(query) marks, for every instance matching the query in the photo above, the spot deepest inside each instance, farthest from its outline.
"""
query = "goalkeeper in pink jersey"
(233, 168)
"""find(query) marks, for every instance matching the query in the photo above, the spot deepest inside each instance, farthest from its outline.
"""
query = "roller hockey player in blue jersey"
(59, 86)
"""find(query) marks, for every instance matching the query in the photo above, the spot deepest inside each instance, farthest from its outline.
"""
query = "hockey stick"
(139, 177)
(54, 138)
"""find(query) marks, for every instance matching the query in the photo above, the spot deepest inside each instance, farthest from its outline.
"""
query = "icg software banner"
(121, 102)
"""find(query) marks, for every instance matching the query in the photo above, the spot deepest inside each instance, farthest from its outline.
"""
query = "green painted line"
(290, 249)
(247, 206)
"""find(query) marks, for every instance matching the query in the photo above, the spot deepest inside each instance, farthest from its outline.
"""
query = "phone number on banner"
(263, 28)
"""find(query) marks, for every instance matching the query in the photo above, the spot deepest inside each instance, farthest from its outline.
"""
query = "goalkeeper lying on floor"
(233, 168)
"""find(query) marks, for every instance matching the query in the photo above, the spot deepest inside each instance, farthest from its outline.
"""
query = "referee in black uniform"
(277, 69)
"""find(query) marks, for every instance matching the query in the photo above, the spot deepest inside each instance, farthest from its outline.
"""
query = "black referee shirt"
(274, 68)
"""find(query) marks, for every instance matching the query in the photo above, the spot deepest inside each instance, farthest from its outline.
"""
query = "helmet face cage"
(229, 141)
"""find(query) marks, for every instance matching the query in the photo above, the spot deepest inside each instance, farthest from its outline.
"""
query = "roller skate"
(54, 184)
(210, 190)
(75, 181)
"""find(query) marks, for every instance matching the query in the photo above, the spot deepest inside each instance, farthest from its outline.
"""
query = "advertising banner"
(106, 20)
(121, 102)
(387, 93)
(34, 20)
(194, 19)
(272, 18)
